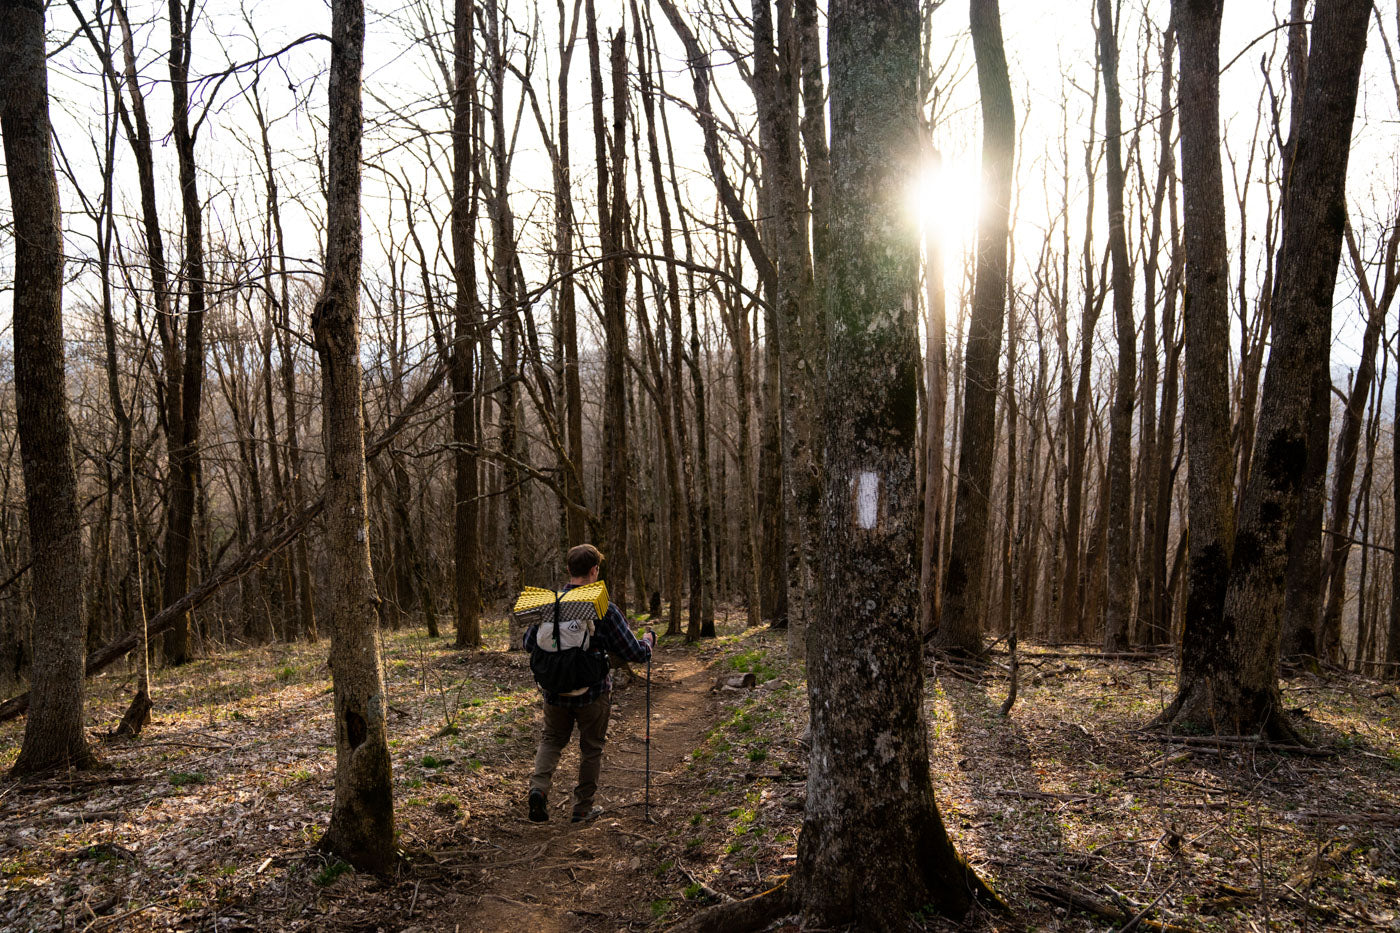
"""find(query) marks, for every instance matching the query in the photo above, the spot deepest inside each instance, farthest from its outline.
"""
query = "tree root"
(752, 913)
(1189, 715)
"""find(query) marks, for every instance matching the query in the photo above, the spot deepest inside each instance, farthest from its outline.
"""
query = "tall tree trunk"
(296, 481)
(936, 365)
(704, 607)
(503, 274)
(568, 317)
(775, 91)
(676, 451)
(610, 178)
(1118, 605)
(1392, 642)
(466, 558)
(873, 846)
(53, 733)
(1338, 545)
(184, 453)
(361, 828)
(959, 629)
(1302, 605)
(773, 586)
(1150, 628)
(1235, 688)
(1206, 330)
(138, 713)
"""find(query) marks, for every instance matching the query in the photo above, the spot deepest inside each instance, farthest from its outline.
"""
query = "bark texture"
(873, 847)
(959, 628)
(53, 733)
(361, 829)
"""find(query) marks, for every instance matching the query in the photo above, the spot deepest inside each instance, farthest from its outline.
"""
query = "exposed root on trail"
(751, 913)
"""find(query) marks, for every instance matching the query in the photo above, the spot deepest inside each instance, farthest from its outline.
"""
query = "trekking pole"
(646, 800)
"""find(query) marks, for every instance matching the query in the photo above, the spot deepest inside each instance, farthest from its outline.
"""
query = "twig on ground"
(1239, 741)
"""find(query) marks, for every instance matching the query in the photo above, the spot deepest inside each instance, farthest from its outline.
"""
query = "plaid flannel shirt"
(614, 635)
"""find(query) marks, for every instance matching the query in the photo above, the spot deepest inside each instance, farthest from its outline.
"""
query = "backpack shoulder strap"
(557, 597)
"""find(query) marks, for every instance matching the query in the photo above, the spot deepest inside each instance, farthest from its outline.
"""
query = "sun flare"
(946, 198)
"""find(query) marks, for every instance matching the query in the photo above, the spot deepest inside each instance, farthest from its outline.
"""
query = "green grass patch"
(333, 870)
(183, 778)
(753, 662)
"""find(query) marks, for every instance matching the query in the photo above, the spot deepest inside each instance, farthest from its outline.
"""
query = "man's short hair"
(583, 558)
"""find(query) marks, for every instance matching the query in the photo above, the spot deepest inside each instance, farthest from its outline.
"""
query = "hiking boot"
(588, 817)
(538, 813)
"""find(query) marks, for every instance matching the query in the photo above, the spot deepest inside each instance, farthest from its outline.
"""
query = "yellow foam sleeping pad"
(582, 602)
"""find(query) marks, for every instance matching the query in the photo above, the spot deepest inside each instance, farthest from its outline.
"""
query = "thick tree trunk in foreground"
(959, 628)
(1236, 692)
(1118, 606)
(361, 829)
(53, 734)
(873, 846)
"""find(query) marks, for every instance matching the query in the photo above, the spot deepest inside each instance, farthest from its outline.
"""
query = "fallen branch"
(253, 556)
(702, 887)
(1076, 900)
(1104, 655)
(1241, 741)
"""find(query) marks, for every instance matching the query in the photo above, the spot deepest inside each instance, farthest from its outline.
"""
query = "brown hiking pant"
(592, 734)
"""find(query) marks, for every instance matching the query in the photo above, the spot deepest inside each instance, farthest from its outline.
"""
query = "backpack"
(564, 660)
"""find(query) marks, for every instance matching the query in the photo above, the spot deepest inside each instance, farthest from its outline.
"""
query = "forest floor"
(209, 820)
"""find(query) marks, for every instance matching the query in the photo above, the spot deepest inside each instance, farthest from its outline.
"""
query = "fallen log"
(250, 558)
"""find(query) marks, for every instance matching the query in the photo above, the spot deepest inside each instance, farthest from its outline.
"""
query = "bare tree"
(1207, 416)
(53, 733)
(1118, 607)
(959, 627)
(361, 828)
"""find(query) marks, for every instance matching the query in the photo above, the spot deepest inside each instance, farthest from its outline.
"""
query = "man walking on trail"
(589, 706)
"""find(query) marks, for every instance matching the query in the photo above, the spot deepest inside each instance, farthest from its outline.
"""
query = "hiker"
(588, 706)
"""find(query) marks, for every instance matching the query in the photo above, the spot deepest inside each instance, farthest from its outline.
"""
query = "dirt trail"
(561, 876)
